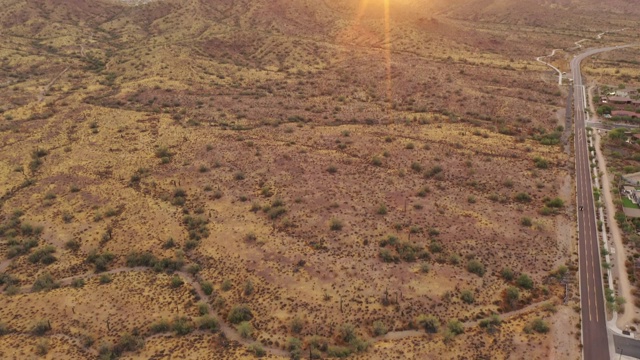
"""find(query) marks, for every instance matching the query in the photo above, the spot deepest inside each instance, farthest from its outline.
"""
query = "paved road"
(594, 330)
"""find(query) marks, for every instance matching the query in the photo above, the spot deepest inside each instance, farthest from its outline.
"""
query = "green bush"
(141, 259)
(176, 281)
(507, 274)
(467, 296)
(159, 326)
(522, 197)
(379, 328)
(45, 282)
(525, 221)
(455, 327)
(182, 325)
(538, 325)
(257, 349)
(207, 287)
(476, 267)
(43, 255)
(524, 281)
(239, 314)
(347, 332)
(208, 322)
(245, 329)
(41, 327)
(429, 323)
(338, 351)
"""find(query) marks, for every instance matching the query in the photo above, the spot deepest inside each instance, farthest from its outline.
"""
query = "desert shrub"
(168, 265)
(382, 209)
(176, 281)
(332, 169)
(429, 323)
(239, 314)
(416, 167)
(141, 259)
(207, 287)
(538, 325)
(490, 323)
(4, 329)
(248, 288)
(507, 274)
(245, 330)
(424, 267)
(43, 255)
(335, 224)
(86, 340)
(347, 332)
(67, 217)
(475, 267)
(435, 247)
(296, 325)
(163, 152)
(338, 351)
(467, 296)
(105, 279)
(257, 349)
(376, 161)
(294, 344)
(226, 285)
(387, 256)
(522, 197)
(169, 243)
(159, 326)
(525, 221)
(276, 212)
(424, 191)
(541, 163)
(455, 327)
(208, 322)
(196, 226)
(77, 283)
(379, 328)
(45, 282)
(524, 281)
(435, 170)
(554, 203)
(42, 347)
(127, 342)
(182, 325)
(100, 261)
(40, 327)
(512, 295)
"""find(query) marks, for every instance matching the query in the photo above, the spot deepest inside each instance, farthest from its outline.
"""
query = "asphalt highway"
(594, 328)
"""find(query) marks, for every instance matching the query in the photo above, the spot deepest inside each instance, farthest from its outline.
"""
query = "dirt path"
(619, 256)
(45, 89)
(231, 333)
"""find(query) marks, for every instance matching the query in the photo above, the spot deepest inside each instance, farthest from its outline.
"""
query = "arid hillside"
(283, 178)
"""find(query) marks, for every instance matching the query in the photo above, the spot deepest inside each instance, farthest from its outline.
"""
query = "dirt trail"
(45, 89)
(623, 281)
(231, 333)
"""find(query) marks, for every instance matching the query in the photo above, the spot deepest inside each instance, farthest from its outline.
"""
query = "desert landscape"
(292, 178)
